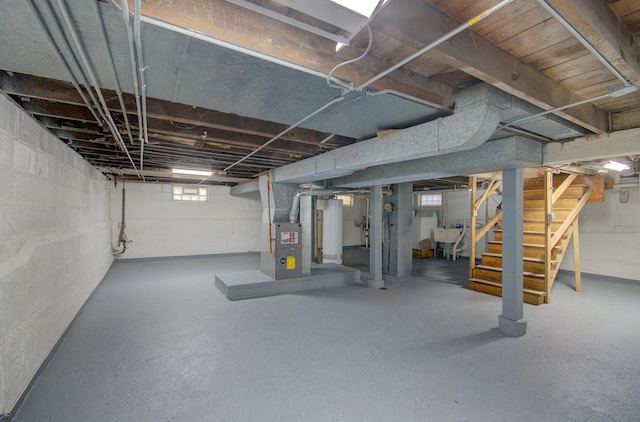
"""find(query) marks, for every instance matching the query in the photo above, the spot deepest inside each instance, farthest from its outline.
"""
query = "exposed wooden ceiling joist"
(597, 23)
(258, 33)
(417, 23)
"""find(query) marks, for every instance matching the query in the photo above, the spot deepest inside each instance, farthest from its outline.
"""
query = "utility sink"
(446, 235)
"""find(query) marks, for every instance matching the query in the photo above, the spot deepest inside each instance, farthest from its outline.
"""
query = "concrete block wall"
(162, 227)
(54, 244)
(609, 237)
(456, 206)
(351, 234)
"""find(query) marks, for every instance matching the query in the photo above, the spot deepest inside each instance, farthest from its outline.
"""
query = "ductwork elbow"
(475, 119)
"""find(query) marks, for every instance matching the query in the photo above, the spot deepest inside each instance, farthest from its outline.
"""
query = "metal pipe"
(439, 41)
(553, 110)
(69, 52)
(132, 57)
(134, 67)
(411, 98)
(366, 51)
(103, 33)
(141, 70)
(94, 82)
(62, 61)
(284, 132)
(583, 41)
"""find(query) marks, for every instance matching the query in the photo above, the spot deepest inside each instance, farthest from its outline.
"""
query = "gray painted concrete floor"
(159, 342)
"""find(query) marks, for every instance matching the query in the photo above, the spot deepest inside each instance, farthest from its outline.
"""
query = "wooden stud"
(576, 255)
(548, 210)
(472, 228)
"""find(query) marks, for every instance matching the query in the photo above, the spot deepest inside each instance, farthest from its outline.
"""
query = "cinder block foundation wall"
(54, 244)
(162, 227)
(609, 236)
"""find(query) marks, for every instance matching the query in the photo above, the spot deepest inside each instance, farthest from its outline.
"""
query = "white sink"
(446, 235)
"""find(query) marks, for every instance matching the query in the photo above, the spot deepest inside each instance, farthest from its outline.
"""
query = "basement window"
(347, 200)
(190, 193)
(430, 199)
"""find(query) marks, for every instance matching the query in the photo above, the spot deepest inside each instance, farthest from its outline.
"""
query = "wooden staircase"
(545, 240)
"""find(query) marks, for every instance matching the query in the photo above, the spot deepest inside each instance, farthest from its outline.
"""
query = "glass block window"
(190, 193)
(430, 199)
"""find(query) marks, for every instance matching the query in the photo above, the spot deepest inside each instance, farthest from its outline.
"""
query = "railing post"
(576, 255)
(548, 211)
(472, 228)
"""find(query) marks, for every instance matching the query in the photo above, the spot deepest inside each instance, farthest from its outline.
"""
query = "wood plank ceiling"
(521, 49)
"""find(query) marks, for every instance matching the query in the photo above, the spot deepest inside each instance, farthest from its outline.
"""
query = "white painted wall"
(54, 244)
(162, 227)
(609, 237)
(352, 235)
(456, 206)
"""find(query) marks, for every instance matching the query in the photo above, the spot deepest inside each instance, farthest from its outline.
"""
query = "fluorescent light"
(363, 7)
(614, 165)
(192, 172)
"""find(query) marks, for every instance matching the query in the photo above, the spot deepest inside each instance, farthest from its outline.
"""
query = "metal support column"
(401, 230)
(306, 220)
(375, 233)
(511, 321)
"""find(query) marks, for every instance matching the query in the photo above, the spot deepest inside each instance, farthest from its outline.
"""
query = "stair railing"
(474, 235)
(552, 238)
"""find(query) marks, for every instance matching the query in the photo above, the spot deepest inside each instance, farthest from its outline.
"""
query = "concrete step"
(252, 284)
(533, 297)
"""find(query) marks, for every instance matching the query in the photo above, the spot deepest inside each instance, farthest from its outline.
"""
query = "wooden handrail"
(488, 226)
(569, 220)
(563, 187)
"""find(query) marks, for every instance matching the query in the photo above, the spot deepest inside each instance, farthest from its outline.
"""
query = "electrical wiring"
(342, 85)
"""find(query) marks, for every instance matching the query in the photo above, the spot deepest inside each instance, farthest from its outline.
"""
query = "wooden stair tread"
(497, 269)
(495, 284)
(533, 245)
(526, 258)
(539, 220)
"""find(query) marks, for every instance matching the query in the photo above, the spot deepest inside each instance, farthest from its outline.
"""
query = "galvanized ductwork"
(476, 117)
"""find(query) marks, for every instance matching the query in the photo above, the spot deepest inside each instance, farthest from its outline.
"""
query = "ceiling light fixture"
(339, 46)
(362, 7)
(192, 172)
(614, 165)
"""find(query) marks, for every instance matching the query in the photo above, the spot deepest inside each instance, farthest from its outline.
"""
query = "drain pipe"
(92, 76)
(63, 62)
(122, 236)
(103, 33)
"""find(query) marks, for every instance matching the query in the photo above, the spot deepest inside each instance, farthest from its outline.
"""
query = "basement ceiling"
(222, 81)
